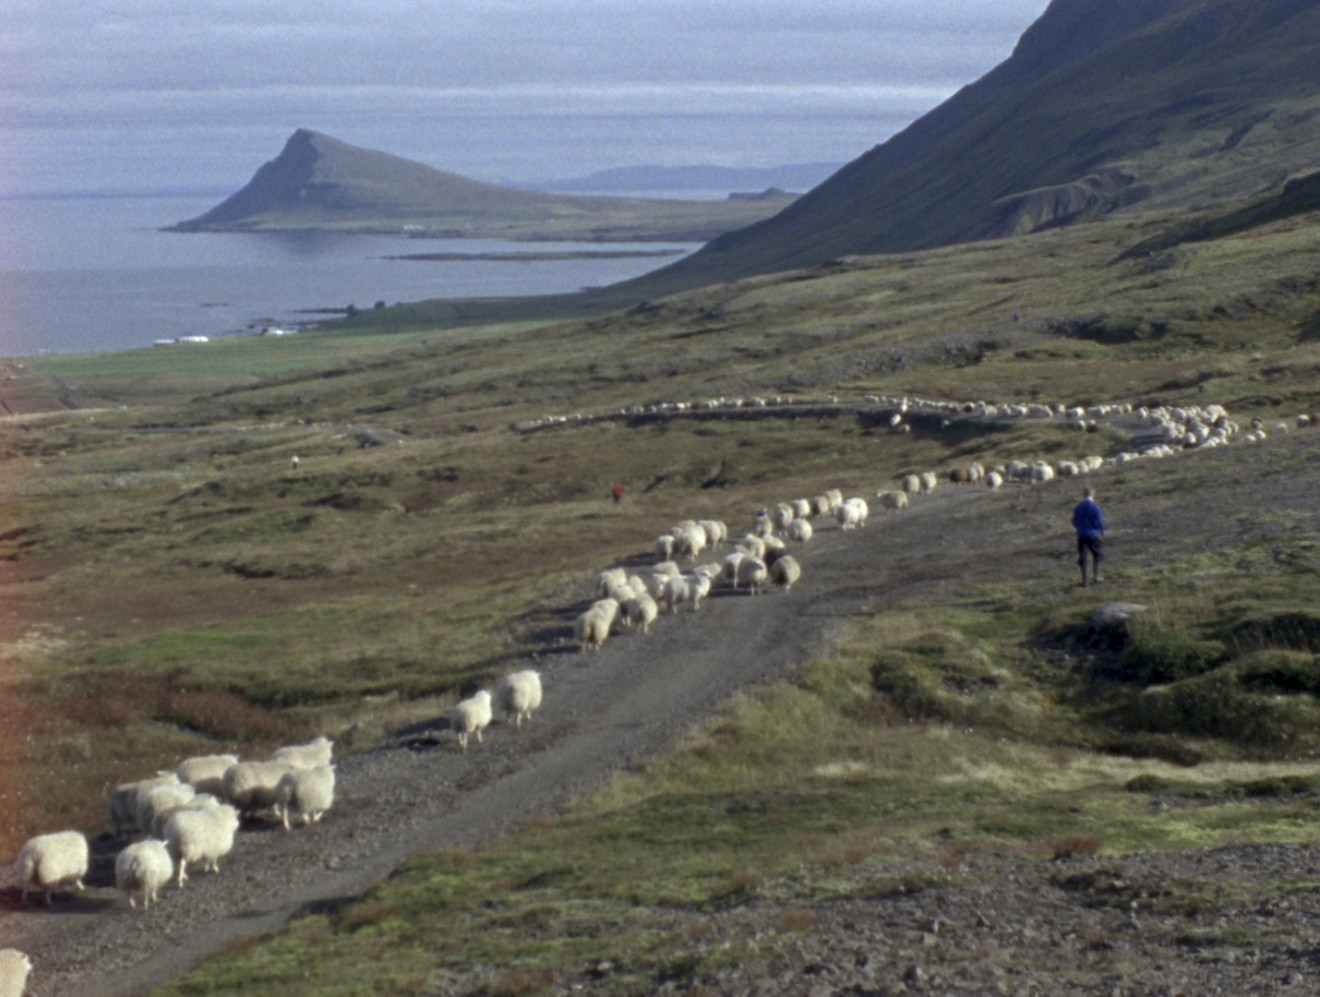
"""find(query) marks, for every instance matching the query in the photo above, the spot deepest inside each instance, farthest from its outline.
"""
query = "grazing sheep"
(14, 969)
(206, 773)
(799, 531)
(716, 531)
(50, 861)
(202, 837)
(892, 500)
(928, 480)
(519, 694)
(160, 799)
(306, 794)
(994, 480)
(608, 578)
(910, 483)
(835, 496)
(729, 567)
(785, 571)
(801, 508)
(752, 545)
(820, 505)
(123, 802)
(142, 869)
(852, 514)
(471, 716)
(752, 572)
(1041, 472)
(313, 754)
(782, 516)
(250, 786)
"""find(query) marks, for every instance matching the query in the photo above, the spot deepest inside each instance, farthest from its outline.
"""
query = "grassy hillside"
(1102, 106)
(318, 182)
(159, 550)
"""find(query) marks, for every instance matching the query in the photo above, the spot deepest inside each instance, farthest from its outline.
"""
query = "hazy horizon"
(143, 95)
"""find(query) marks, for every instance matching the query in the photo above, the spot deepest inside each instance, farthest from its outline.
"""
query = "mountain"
(1103, 105)
(318, 182)
(797, 176)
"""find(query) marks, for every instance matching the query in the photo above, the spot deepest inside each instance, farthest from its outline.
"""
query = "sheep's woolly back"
(142, 869)
(520, 693)
(305, 794)
(14, 969)
(306, 756)
(201, 836)
(49, 861)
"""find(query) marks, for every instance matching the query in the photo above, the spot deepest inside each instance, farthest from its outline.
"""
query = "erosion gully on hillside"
(606, 711)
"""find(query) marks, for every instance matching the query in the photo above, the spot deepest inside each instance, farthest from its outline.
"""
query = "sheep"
(611, 576)
(910, 483)
(799, 531)
(729, 567)
(250, 786)
(206, 773)
(752, 572)
(835, 496)
(123, 801)
(471, 716)
(685, 588)
(305, 793)
(664, 546)
(852, 513)
(50, 861)
(782, 516)
(929, 480)
(305, 756)
(590, 630)
(608, 610)
(1041, 472)
(774, 548)
(892, 500)
(14, 969)
(785, 571)
(202, 837)
(640, 610)
(820, 505)
(690, 542)
(716, 531)
(160, 799)
(661, 572)
(801, 508)
(994, 480)
(752, 545)
(163, 814)
(519, 694)
(762, 525)
(142, 869)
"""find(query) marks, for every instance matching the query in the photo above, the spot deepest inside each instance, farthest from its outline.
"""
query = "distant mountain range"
(798, 177)
(1103, 106)
(318, 182)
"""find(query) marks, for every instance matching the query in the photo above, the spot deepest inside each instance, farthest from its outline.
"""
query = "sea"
(89, 274)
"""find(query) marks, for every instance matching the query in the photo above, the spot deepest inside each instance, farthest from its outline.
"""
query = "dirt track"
(602, 713)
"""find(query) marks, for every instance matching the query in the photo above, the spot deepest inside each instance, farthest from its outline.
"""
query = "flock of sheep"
(191, 815)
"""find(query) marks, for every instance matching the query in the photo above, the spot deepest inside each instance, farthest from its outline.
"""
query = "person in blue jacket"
(1090, 533)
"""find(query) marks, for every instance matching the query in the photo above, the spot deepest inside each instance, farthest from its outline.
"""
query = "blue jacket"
(1087, 519)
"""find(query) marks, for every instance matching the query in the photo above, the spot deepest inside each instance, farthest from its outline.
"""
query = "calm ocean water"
(89, 274)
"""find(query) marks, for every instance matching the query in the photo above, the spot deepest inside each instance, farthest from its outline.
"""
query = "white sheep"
(305, 794)
(591, 629)
(716, 531)
(250, 786)
(142, 869)
(609, 577)
(123, 801)
(206, 773)
(928, 480)
(801, 508)
(782, 516)
(160, 799)
(202, 837)
(519, 694)
(852, 514)
(641, 611)
(752, 546)
(690, 543)
(799, 531)
(752, 572)
(50, 861)
(785, 571)
(471, 716)
(910, 483)
(994, 480)
(664, 546)
(892, 499)
(820, 505)
(685, 588)
(306, 756)
(14, 969)
(835, 496)
(163, 814)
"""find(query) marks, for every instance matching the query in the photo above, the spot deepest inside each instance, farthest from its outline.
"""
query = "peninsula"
(320, 183)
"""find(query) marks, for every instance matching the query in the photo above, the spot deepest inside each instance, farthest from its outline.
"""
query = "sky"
(112, 96)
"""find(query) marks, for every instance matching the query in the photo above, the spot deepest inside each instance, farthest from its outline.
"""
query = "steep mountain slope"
(1104, 104)
(320, 182)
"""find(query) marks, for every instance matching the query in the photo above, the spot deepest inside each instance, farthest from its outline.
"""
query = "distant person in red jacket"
(617, 492)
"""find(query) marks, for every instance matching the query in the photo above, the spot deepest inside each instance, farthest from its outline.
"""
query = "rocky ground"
(993, 924)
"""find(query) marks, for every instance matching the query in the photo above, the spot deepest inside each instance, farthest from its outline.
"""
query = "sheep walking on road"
(142, 869)
(519, 695)
(471, 716)
(14, 969)
(305, 795)
(51, 861)
(202, 837)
